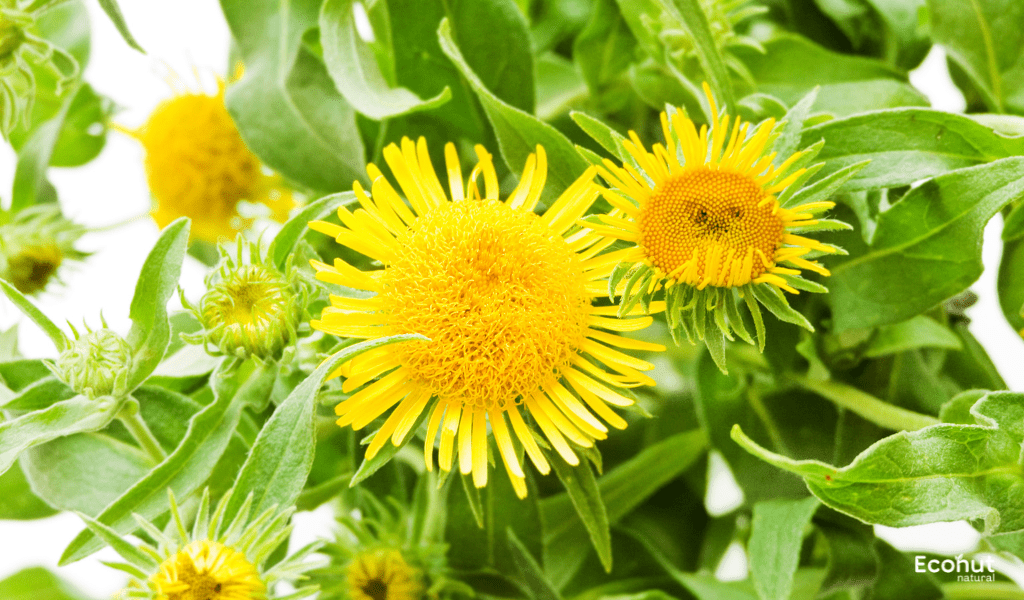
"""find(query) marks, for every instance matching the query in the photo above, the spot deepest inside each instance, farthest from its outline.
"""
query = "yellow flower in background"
(221, 557)
(704, 216)
(205, 570)
(198, 166)
(382, 574)
(506, 298)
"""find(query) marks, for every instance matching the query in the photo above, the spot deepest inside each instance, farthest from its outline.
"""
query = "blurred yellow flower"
(382, 574)
(504, 295)
(198, 166)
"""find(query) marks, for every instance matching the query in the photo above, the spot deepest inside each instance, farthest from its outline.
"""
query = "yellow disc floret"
(198, 166)
(500, 296)
(710, 226)
(207, 570)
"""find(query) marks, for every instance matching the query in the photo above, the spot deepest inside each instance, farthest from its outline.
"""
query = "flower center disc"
(501, 297)
(702, 209)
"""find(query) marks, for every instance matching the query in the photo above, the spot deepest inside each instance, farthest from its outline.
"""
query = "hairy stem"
(140, 431)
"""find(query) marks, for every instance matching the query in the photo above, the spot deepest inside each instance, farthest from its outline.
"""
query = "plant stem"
(140, 431)
(867, 406)
(982, 591)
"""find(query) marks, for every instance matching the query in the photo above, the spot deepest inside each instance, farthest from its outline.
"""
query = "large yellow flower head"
(198, 166)
(505, 297)
(712, 218)
(221, 557)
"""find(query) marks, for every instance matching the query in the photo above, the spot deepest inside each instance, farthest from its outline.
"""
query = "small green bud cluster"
(249, 310)
(97, 364)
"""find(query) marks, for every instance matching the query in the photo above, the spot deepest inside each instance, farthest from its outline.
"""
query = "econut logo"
(966, 570)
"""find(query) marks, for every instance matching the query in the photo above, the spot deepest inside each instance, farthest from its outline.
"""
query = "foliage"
(871, 404)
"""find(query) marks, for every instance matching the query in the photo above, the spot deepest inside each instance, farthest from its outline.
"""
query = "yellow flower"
(221, 557)
(382, 574)
(704, 216)
(205, 570)
(504, 295)
(198, 166)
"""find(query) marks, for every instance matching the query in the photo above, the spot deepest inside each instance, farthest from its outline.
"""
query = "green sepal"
(776, 303)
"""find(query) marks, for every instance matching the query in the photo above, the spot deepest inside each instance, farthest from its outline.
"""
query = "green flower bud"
(97, 364)
(33, 246)
(249, 309)
(23, 54)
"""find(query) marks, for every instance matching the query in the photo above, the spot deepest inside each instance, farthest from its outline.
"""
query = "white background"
(190, 38)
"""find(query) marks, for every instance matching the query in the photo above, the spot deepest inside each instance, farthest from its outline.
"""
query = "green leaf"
(494, 37)
(114, 12)
(906, 145)
(183, 471)
(934, 235)
(773, 550)
(622, 489)
(780, 422)
(353, 67)
(36, 583)
(286, 106)
(383, 457)
(79, 142)
(775, 301)
(278, 464)
(601, 133)
(944, 472)
(1013, 225)
(291, 232)
(40, 394)
(151, 331)
(581, 488)
(472, 548)
(917, 332)
(531, 576)
(59, 339)
(690, 14)
(703, 586)
(826, 187)
(898, 579)
(984, 38)
(34, 157)
(18, 501)
(63, 418)
(83, 472)
(519, 133)
(604, 49)
(792, 66)
(1010, 283)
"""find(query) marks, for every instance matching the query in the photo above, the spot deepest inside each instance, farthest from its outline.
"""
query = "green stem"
(867, 406)
(140, 431)
(982, 591)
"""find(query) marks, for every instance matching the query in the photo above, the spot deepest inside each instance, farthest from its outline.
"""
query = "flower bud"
(97, 364)
(249, 309)
(33, 246)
